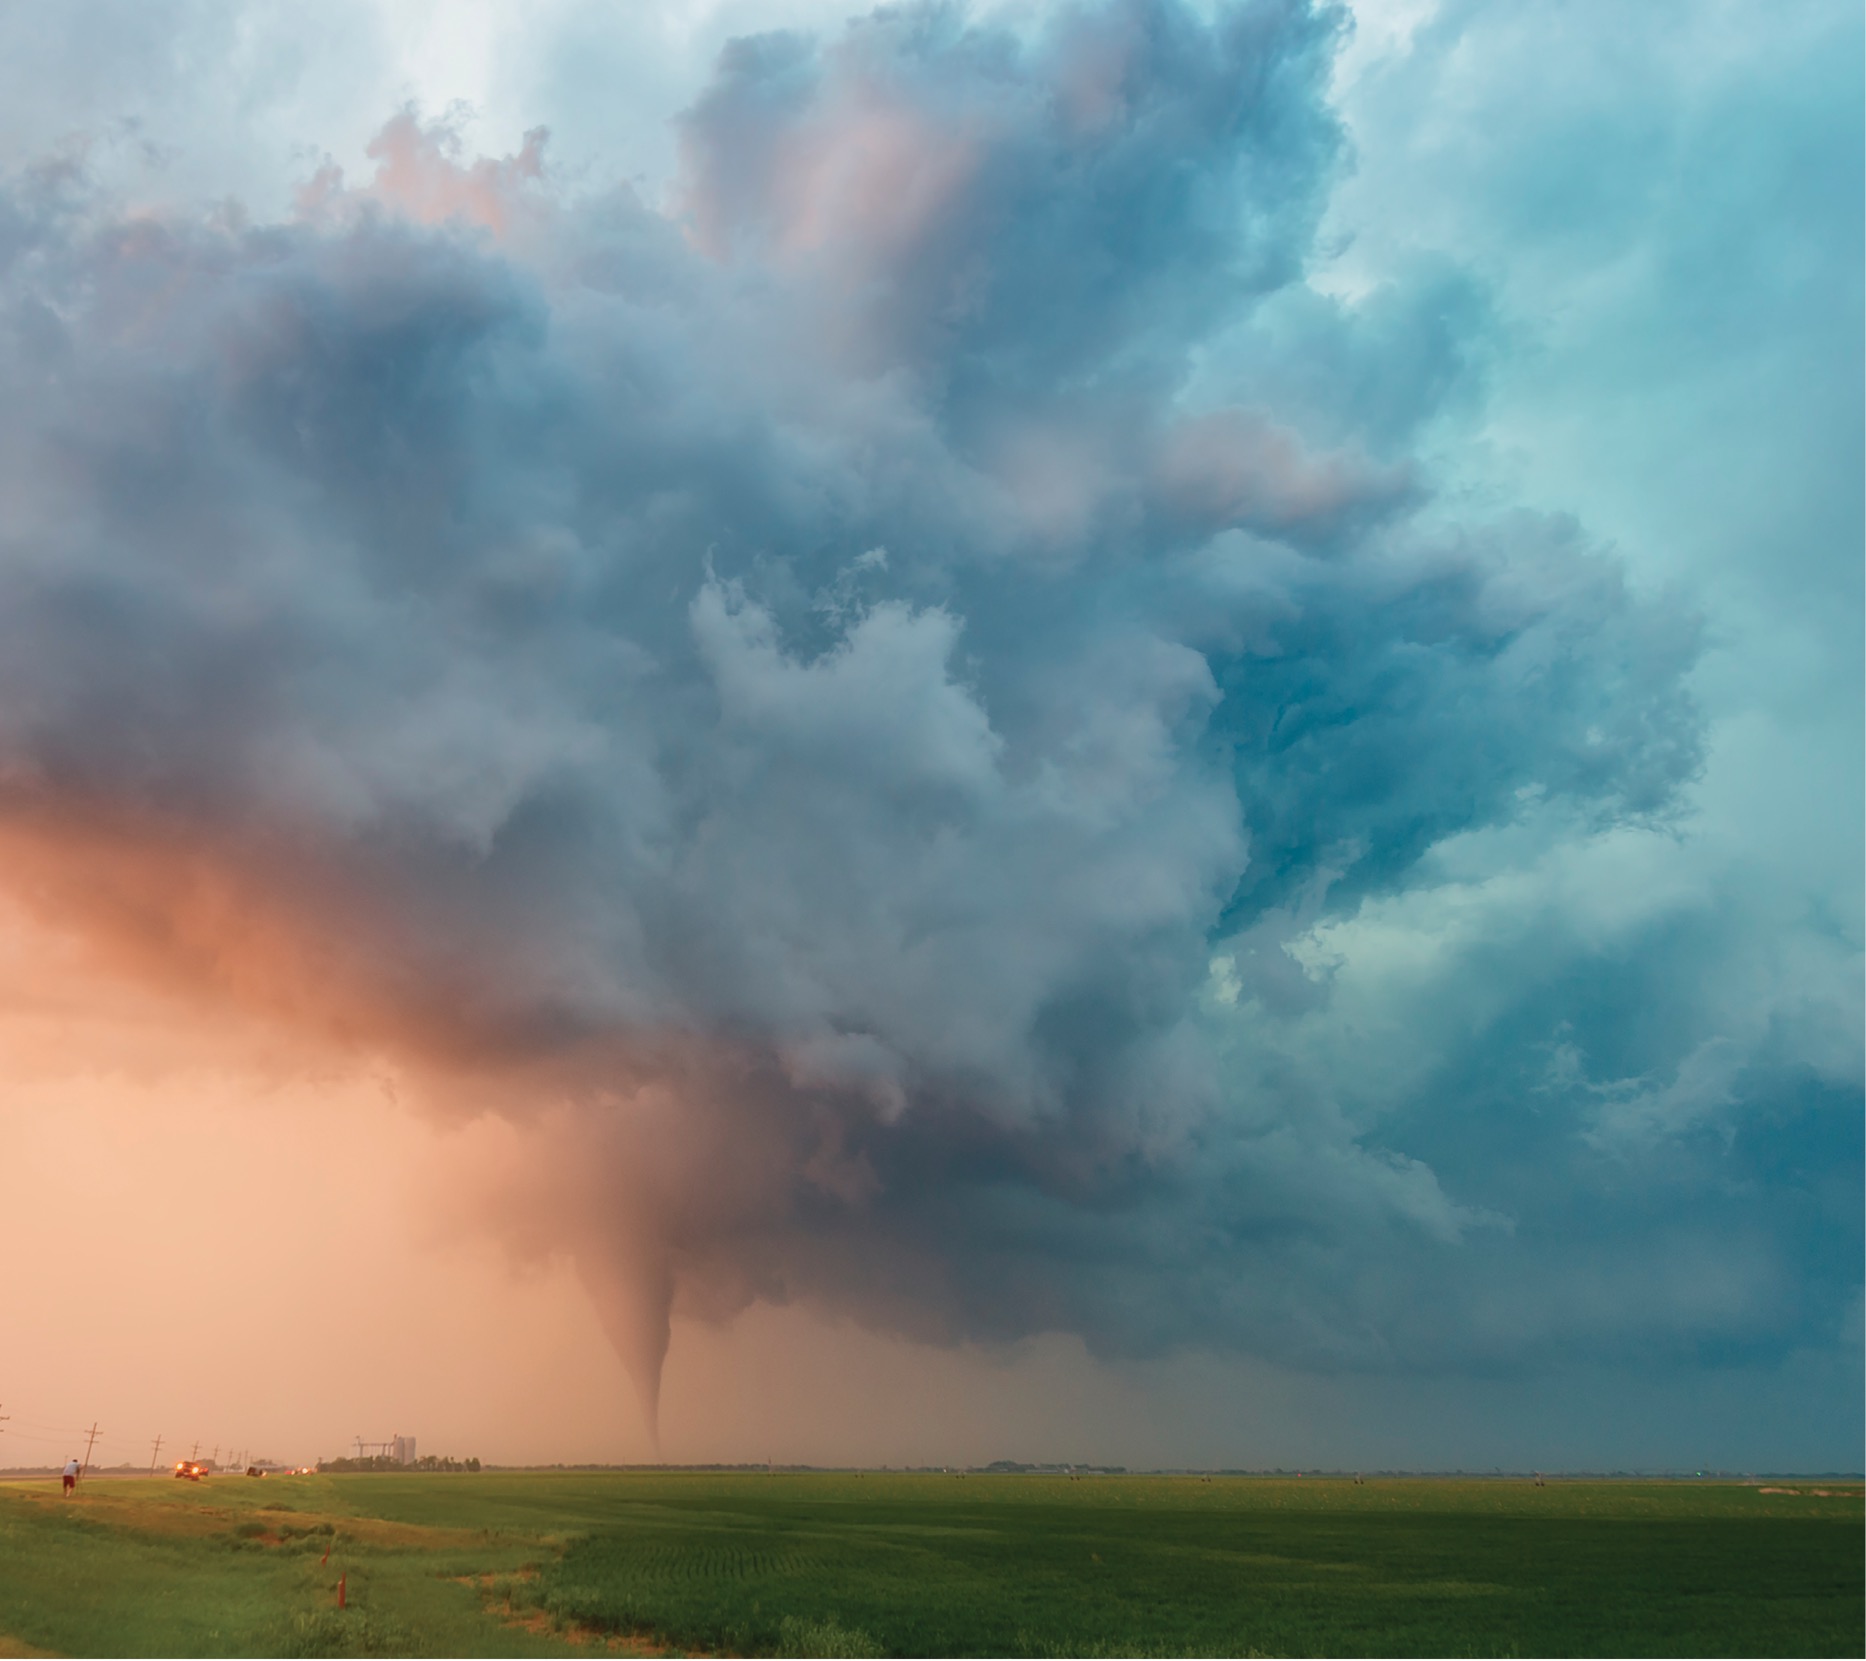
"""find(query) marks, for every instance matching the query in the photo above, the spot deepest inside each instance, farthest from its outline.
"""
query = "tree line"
(382, 1462)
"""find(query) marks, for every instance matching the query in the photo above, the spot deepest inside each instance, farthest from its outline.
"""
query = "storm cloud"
(853, 705)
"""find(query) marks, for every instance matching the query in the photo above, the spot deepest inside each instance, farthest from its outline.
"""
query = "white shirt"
(71, 1467)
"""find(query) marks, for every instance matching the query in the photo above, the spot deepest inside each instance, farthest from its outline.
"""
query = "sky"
(1123, 732)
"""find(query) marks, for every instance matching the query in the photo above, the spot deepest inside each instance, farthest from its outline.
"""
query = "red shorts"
(70, 1482)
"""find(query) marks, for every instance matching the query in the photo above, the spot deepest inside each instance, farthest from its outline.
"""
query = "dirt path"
(584, 1637)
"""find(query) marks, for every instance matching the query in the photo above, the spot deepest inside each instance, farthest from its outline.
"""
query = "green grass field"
(508, 1564)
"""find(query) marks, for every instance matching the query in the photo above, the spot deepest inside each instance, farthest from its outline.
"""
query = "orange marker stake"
(342, 1582)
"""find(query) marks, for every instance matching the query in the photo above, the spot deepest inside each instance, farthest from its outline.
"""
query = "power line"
(43, 1433)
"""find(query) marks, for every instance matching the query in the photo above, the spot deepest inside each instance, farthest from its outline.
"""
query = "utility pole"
(155, 1453)
(3, 1418)
(87, 1449)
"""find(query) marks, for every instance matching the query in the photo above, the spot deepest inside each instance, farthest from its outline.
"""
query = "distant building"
(402, 1450)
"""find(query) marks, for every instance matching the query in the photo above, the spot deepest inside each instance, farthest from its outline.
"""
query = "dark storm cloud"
(787, 699)
(1012, 218)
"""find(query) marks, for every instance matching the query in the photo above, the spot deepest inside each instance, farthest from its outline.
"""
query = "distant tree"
(382, 1462)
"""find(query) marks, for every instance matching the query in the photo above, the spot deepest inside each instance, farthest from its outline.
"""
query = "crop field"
(840, 1564)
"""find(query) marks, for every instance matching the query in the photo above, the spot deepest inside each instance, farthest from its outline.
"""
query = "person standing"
(71, 1475)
